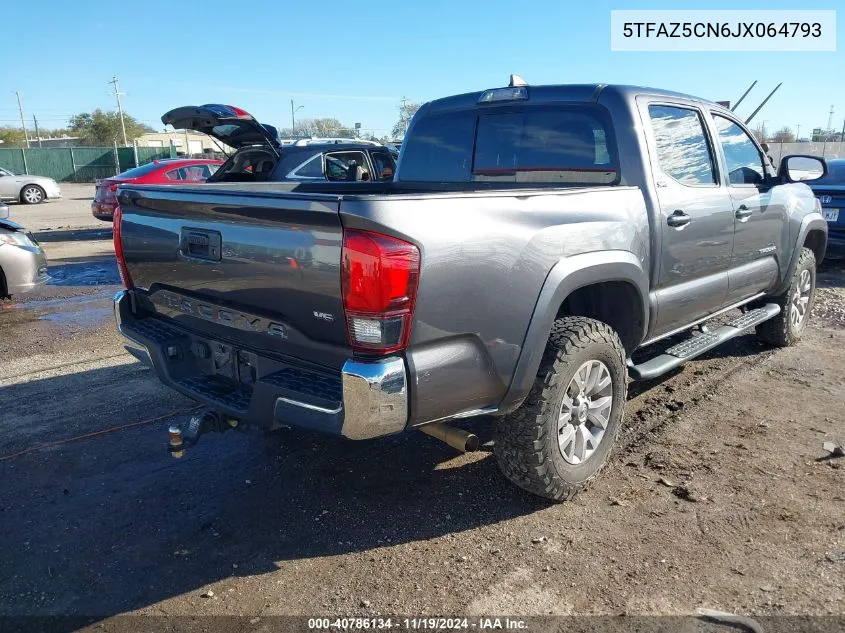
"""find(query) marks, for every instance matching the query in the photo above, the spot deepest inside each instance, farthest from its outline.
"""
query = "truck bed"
(273, 287)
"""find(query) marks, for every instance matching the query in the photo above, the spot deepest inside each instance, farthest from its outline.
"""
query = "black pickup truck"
(532, 240)
(261, 157)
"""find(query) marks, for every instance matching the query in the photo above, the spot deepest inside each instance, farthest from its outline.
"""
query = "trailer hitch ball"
(176, 446)
(185, 435)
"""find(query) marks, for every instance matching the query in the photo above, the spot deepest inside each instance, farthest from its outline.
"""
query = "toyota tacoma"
(533, 239)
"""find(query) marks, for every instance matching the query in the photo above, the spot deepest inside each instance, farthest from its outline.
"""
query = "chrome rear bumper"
(366, 399)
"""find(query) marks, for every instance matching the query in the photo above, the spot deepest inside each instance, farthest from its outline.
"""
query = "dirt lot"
(720, 495)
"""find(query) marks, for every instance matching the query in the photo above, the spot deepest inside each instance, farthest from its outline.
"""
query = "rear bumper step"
(678, 354)
(365, 399)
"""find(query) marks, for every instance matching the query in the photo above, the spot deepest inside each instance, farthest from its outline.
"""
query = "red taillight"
(379, 277)
(118, 248)
(240, 112)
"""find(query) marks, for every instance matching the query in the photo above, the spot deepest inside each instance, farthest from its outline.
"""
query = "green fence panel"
(54, 163)
(126, 156)
(11, 158)
(78, 164)
(93, 163)
(149, 154)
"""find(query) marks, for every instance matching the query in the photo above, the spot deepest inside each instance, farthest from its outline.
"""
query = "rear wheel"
(32, 194)
(795, 305)
(560, 438)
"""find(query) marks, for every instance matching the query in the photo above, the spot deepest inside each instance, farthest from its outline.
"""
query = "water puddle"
(90, 317)
(85, 274)
(99, 280)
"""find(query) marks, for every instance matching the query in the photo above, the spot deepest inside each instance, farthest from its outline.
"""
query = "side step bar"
(678, 354)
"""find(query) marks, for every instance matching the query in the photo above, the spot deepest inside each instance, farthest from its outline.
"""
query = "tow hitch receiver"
(189, 434)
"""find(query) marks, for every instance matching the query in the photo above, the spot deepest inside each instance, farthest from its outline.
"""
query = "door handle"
(743, 213)
(678, 219)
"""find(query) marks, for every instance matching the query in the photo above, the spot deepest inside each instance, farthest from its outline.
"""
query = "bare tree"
(406, 112)
(760, 132)
(783, 135)
(318, 128)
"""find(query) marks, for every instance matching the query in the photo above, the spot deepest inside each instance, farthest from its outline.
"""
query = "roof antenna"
(744, 94)
(760, 107)
(516, 80)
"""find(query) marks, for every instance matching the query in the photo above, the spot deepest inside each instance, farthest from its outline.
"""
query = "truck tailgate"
(259, 269)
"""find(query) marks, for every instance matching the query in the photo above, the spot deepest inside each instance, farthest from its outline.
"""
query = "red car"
(158, 172)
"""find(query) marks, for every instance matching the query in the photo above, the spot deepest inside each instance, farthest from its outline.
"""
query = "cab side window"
(683, 152)
(742, 158)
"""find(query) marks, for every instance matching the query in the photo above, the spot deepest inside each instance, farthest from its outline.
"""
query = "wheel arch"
(812, 234)
(610, 286)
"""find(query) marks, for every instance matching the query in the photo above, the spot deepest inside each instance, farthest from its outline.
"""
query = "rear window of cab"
(534, 144)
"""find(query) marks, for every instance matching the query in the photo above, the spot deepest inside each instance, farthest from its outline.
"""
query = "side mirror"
(4, 212)
(800, 168)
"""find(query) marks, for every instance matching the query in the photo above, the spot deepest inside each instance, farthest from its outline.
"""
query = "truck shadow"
(111, 523)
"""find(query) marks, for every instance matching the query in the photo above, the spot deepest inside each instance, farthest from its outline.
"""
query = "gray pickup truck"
(533, 239)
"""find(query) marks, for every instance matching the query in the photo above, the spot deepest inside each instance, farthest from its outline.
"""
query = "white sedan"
(27, 189)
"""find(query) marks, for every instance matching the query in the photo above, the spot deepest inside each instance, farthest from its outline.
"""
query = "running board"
(678, 354)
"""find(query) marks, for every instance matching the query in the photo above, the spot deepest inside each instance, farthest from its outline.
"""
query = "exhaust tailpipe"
(458, 439)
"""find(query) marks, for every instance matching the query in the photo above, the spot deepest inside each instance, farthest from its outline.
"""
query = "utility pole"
(830, 119)
(37, 133)
(119, 109)
(293, 112)
(842, 136)
(404, 116)
(23, 125)
(797, 132)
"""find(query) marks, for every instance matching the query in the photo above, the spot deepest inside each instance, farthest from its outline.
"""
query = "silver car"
(23, 265)
(27, 189)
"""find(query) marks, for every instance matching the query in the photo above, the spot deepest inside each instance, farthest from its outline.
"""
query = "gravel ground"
(719, 496)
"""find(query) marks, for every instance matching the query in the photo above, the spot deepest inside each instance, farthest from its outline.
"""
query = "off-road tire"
(36, 187)
(780, 331)
(526, 441)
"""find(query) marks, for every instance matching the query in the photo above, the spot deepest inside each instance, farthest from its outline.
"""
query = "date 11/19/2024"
(417, 624)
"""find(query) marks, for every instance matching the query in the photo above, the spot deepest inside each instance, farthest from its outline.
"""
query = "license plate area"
(831, 215)
(226, 361)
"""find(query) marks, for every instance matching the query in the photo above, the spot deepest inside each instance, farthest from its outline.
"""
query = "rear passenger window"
(682, 149)
(383, 164)
(338, 165)
(310, 168)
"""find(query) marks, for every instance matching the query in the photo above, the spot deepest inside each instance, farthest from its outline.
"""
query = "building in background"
(186, 142)
(55, 141)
